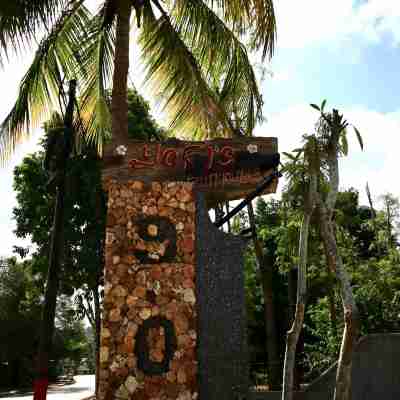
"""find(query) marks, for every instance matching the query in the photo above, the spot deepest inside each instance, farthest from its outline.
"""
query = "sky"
(345, 51)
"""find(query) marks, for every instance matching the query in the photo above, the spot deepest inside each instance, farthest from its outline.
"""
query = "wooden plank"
(225, 169)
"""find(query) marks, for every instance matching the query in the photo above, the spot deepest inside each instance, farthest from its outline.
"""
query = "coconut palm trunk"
(119, 103)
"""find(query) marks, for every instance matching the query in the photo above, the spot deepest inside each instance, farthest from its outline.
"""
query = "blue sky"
(349, 75)
(345, 51)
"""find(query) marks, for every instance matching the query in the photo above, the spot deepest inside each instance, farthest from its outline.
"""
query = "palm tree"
(189, 48)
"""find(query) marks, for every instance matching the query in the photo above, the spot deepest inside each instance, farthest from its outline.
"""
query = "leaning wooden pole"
(56, 250)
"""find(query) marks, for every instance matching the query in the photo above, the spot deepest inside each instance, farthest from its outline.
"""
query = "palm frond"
(359, 137)
(97, 68)
(223, 58)
(55, 60)
(264, 23)
(21, 21)
(177, 79)
(253, 17)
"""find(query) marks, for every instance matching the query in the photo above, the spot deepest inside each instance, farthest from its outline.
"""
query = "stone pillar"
(174, 325)
(148, 336)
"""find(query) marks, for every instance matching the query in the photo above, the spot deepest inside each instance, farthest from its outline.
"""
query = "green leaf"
(290, 156)
(344, 143)
(56, 61)
(359, 137)
(253, 18)
(323, 104)
(21, 21)
(97, 67)
(315, 106)
(223, 60)
(177, 78)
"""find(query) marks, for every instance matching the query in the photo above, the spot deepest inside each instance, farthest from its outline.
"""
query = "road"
(82, 388)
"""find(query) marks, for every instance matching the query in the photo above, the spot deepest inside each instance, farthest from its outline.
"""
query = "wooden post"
(56, 251)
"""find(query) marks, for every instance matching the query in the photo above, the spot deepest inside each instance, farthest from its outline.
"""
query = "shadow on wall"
(376, 373)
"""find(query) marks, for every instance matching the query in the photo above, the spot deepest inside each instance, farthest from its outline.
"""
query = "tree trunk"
(335, 264)
(55, 260)
(97, 314)
(294, 333)
(331, 290)
(371, 204)
(265, 273)
(292, 294)
(119, 103)
(50, 300)
(351, 328)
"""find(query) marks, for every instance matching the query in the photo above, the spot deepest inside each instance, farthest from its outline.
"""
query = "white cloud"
(378, 164)
(314, 22)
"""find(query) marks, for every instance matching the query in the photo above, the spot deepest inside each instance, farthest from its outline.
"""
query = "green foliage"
(322, 346)
(21, 21)
(84, 202)
(268, 220)
(141, 125)
(75, 345)
(19, 291)
(373, 268)
(190, 48)
(85, 228)
(54, 60)
(20, 310)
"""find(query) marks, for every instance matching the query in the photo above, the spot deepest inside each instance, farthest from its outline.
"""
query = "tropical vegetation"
(195, 61)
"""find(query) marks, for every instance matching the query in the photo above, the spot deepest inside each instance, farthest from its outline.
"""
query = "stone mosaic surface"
(150, 276)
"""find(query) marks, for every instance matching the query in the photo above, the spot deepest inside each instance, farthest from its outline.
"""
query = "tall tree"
(332, 135)
(309, 180)
(391, 206)
(189, 48)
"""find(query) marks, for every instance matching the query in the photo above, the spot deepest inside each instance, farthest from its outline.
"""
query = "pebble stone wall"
(149, 276)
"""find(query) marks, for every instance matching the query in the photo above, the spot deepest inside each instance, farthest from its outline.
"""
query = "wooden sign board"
(225, 169)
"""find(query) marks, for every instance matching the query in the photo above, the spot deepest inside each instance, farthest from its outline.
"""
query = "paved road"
(84, 387)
